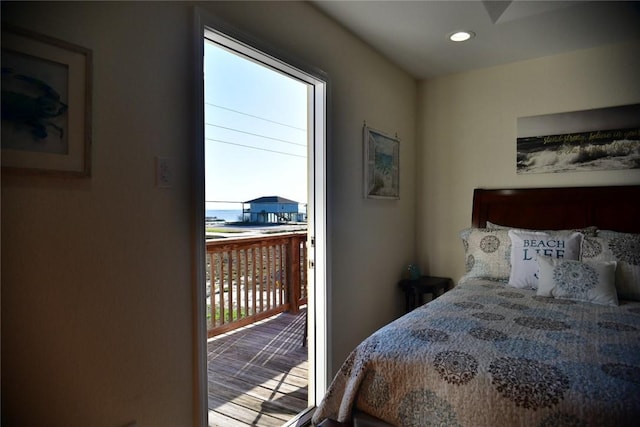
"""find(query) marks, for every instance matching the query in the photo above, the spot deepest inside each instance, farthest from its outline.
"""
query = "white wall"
(97, 285)
(467, 129)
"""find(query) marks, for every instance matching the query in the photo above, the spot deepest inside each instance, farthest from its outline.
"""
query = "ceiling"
(414, 34)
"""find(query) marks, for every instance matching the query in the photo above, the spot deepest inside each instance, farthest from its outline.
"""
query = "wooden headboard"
(609, 208)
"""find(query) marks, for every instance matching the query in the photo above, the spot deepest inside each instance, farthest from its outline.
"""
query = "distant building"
(273, 210)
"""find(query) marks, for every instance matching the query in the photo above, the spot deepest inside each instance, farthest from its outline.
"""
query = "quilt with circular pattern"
(486, 354)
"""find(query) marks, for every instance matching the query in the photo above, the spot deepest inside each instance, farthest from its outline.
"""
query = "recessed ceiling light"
(461, 36)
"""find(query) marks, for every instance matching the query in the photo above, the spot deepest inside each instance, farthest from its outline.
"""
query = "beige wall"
(467, 130)
(96, 274)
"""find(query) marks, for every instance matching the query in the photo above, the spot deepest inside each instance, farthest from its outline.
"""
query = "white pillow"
(526, 245)
(576, 280)
(623, 248)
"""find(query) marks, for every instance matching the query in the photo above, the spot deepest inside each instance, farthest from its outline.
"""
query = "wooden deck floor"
(258, 374)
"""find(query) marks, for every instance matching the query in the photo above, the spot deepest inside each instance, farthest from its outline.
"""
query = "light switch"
(164, 172)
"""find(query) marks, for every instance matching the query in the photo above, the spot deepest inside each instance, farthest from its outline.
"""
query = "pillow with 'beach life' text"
(525, 247)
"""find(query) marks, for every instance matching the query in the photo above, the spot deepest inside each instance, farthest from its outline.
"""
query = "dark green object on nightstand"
(414, 289)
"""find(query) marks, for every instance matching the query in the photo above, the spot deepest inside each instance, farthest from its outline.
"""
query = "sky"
(255, 131)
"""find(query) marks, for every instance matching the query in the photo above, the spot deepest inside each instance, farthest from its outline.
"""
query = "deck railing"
(250, 279)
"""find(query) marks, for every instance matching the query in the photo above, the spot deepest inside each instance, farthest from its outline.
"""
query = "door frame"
(317, 306)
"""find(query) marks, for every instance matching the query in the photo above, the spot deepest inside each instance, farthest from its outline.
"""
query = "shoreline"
(235, 230)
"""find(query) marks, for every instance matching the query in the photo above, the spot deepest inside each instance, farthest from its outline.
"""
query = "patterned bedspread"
(485, 354)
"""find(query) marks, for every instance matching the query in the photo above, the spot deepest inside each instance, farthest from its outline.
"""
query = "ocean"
(231, 215)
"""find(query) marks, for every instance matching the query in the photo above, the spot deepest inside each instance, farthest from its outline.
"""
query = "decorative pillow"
(587, 231)
(576, 280)
(526, 245)
(486, 253)
(623, 248)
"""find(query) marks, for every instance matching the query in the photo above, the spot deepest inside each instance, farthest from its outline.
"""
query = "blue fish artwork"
(30, 104)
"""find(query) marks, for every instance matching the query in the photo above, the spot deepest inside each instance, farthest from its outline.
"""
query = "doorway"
(310, 88)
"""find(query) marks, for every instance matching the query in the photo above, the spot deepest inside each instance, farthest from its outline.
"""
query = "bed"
(510, 346)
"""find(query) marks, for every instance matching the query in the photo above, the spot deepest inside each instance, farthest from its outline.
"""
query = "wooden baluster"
(284, 273)
(293, 274)
(230, 284)
(280, 274)
(221, 257)
(233, 284)
(275, 274)
(240, 274)
(215, 286)
(303, 267)
(261, 277)
(209, 300)
(245, 281)
(242, 282)
(273, 254)
(253, 281)
(233, 298)
(274, 287)
(269, 276)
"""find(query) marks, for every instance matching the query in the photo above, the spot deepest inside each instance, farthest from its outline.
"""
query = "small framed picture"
(381, 165)
(46, 105)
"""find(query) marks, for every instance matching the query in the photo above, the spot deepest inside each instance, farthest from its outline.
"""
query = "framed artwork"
(46, 105)
(587, 140)
(381, 165)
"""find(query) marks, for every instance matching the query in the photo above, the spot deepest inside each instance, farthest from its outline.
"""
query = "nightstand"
(415, 289)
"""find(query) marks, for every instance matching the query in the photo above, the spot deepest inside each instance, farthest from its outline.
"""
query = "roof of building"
(271, 199)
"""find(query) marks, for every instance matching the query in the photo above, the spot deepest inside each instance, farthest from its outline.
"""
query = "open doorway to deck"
(264, 303)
